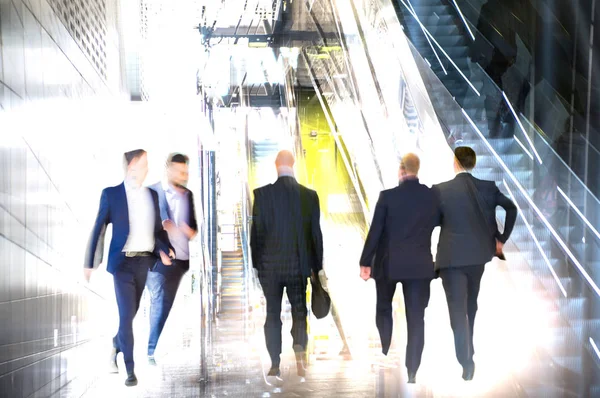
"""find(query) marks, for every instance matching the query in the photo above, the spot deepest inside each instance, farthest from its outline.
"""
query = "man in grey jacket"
(469, 238)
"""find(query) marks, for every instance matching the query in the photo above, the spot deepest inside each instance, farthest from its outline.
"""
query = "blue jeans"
(162, 283)
(129, 283)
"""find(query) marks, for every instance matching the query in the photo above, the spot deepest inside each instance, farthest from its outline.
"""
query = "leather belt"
(138, 254)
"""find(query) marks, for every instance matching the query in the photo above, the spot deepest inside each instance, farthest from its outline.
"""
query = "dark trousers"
(163, 282)
(416, 298)
(461, 285)
(129, 282)
(295, 286)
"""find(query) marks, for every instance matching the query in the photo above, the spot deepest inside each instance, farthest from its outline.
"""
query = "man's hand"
(324, 280)
(87, 274)
(365, 273)
(499, 247)
(169, 226)
(187, 231)
(166, 260)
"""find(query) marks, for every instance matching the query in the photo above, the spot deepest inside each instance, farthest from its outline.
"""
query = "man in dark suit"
(178, 217)
(287, 248)
(469, 238)
(399, 245)
(138, 238)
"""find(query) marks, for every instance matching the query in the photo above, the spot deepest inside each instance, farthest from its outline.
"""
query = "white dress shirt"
(141, 219)
(179, 210)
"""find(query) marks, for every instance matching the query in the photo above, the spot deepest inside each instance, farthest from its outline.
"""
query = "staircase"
(233, 288)
(531, 266)
(542, 266)
(441, 20)
(261, 167)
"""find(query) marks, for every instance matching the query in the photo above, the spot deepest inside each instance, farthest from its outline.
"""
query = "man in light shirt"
(138, 239)
(178, 217)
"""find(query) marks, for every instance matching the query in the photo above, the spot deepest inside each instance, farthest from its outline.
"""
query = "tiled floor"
(238, 361)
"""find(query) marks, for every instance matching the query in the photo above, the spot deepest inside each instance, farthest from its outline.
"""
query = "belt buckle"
(130, 254)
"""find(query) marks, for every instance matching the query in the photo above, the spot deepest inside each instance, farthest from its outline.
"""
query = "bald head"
(409, 165)
(284, 158)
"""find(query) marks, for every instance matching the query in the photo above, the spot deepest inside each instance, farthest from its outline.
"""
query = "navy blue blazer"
(398, 245)
(113, 209)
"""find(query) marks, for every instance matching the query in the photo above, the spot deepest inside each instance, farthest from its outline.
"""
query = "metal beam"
(290, 35)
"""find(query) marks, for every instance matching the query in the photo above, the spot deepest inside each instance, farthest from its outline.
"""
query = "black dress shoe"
(412, 377)
(131, 380)
(274, 371)
(468, 372)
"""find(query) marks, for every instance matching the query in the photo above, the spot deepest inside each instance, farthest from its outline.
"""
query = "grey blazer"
(466, 238)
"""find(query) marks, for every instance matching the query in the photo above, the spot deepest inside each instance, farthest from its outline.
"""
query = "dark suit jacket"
(398, 244)
(113, 209)
(285, 228)
(466, 238)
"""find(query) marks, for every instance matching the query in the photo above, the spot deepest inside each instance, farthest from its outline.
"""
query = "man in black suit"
(399, 244)
(287, 248)
(468, 240)
(178, 215)
(138, 239)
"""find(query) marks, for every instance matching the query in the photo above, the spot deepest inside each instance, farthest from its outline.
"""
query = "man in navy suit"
(399, 245)
(178, 217)
(138, 238)
(468, 240)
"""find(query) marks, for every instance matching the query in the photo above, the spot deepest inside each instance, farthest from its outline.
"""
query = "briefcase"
(320, 301)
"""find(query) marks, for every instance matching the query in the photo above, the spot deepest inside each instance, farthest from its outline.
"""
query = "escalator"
(554, 251)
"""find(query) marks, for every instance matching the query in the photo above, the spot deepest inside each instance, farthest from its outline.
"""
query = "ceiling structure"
(231, 33)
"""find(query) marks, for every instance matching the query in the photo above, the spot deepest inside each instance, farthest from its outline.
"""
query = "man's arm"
(375, 232)
(438, 203)
(316, 232)
(511, 215)
(95, 249)
(193, 220)
(256, 230)
(190, 230)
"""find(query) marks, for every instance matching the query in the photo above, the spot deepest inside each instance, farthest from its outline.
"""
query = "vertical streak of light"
(523, 146)
(415, 16)
(464, 20)
(537, 243)
(589, 99)
(595, 347)
(521, 126)
(579, 213)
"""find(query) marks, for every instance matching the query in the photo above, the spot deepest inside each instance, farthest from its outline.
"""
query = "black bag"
(320, 301)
